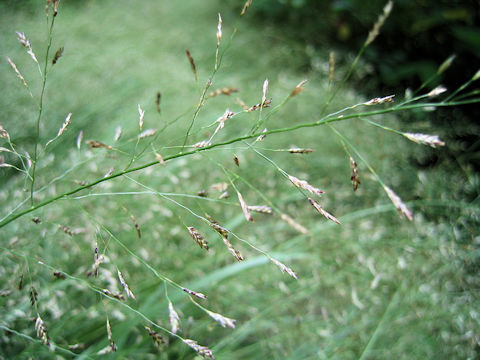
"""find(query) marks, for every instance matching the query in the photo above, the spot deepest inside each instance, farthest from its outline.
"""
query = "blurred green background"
(375, 287)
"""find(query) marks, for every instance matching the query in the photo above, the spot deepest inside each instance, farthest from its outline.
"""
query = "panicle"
(157, 338)
(245, 7)
(42, 331)
(192, 64)
(203, 351)
(304, 185)
(62, 129)
(317, 207)
(381, 20)
(174, 318)
(113, 347)
(26, 43)
(298, 89)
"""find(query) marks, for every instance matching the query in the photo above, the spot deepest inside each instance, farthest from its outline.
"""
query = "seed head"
(284, 268)
(42, 332)
(317, 207)
(244, 206)
(223, 320)
(125, 286)
(199, 239)
(203, 351)
(399, 204)
(194, 293)
(304, 185)
(424, 139)
(174, 318)
(298, 89)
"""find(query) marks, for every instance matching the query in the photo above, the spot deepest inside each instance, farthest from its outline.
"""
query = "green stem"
(322, 121)
(40, 109)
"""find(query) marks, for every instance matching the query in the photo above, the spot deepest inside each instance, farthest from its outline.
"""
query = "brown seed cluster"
(355, 178)
(194, 293)
(223, 91)
(157, 338)
(199, 239)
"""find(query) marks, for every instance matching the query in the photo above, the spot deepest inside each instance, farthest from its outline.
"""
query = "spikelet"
(380, 100)
(217, 227)
(245, 7)
(284, 268)
(118, 296)
(174, 318)
(199, 239)
(244, 206)
(304, 185)
(42, 332)
(192, 63)
(300, 228)
(157, 101)
(437, 91)
(399, 204)
(264, 91)
(354, 178)
(203, 351)
(3, 133)
(33, 296)
(59, 275)
(265, 104)
(300, 151)
(261, 137)
(237, 254)
(223, 320)
(476, 76)
(113, 347)
(219, 30)
(158, 340)
(160, 159)
(97, 260)
(141, 115)
(331, 66)
(118, 133)
(219, 186)
(125, 286)
(37, 220)
(79, 139)
(93, 144)
(424, 139)
(147, 133)
(298, 89)
(446, 64)
(223, 91)
(235, 160)
(137, 227)
(317, 207)
(58, 55)
(381, 20)
(194, 293)
(262, 209)
(22, 79)
(26, 43)
(66, 230)
(202, 144)
(62, 129)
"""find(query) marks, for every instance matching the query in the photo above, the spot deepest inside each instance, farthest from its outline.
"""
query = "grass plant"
(173, 203)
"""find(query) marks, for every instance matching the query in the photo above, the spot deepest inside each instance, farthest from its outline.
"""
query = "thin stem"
(40, 108)
(323, 121)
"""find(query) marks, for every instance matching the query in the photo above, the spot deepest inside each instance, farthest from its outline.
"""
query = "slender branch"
(323, 121)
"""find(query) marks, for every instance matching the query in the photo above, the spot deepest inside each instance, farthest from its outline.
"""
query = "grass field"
(377, 286)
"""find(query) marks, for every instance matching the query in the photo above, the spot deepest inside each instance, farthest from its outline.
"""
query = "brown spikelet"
(157, 338)
(381, 20)
(298, 89)
(20, 283)
(245, 7)
(237, 254)
(262, 209)
(26, 43)
(219, 31)
(58, 55)
(59, 275)
(202, 193)
(216, 226)
(331, 66)
(223, 320)
(125, 286)
(322, 211)
(223, 91)
(265, 104)
(194, 293)
(192, 63)
(203, 351)
(244, 206)
(113, 347)
(173, 318)
(300, 151)
(97, 144)
(424, 139)
(235, 160)
(137, 227)
(117, 296)
(41, 329)
(304, 185)
(160, 159)
(380, 100)
(284, 268)
(97, 260)
(157, 101)
(300, 228)
(399, 204)
(355, 178)
(199, 239)
(66, 230)
(37, 220)
(33, 295)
